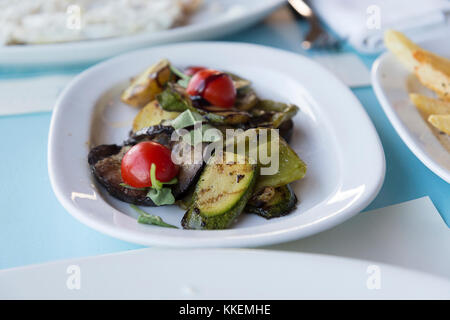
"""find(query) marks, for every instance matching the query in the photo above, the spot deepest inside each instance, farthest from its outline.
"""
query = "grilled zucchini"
(221, 193)
(272, 202)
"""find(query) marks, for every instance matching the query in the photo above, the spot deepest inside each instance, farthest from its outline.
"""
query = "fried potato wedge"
(433, 72)
(440, 122)
(402, 47)
(151, 115)
(430, 105)
(148, 84)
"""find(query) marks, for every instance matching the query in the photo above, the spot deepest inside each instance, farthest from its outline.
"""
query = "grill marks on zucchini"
(221, 196)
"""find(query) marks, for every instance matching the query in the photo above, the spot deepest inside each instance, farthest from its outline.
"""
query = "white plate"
(333, 134)
(392, 84)
(219, 274)
(216, 18)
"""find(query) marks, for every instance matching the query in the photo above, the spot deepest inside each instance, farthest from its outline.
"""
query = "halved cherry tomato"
(137, 162)
(190, 71)
(214, 86)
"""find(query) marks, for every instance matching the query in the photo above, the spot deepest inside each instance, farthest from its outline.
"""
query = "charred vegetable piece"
(227, 117)
(290, 166)
(105, 162)
(148, 84)
(189, 169)
(239, 82)
(221, 193)
(268, 113)
(286, 130)
(151, 115)
(272, 202)
(246, 99)
(160, 133)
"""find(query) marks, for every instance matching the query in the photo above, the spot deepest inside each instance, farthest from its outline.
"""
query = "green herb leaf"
(171, 100)
(161, 196)
(156, 184)
(147, 218)
(184, 79)
(186, 119)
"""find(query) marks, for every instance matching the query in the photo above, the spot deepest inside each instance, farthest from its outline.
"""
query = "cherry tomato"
(214, 86)
(190, 71)
(137, 162)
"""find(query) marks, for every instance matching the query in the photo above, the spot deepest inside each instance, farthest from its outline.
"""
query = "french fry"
(440, 122)
(430, 105)
(402, 47)
(433, 72)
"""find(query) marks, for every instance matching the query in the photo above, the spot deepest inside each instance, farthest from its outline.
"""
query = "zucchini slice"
(221, 193)
(272, 202)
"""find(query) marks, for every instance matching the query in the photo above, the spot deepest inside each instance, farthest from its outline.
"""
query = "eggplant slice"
(105, 162)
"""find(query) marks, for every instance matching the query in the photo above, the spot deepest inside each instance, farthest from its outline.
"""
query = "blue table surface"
(35, 228)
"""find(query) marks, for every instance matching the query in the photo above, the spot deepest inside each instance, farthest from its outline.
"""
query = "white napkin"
(357, 20)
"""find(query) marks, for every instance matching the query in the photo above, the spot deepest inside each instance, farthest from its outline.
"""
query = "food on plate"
(50, 21)
(430, 105)
(441, 122)
(145, 87)
(272, 202)
(402, 47)
(433, 71)
(151, 115)
(205, 141)
(221, 193)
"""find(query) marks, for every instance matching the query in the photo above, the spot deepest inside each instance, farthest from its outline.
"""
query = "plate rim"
(232, 238)
(399, 126)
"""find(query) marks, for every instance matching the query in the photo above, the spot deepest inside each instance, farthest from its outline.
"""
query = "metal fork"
(317, 37)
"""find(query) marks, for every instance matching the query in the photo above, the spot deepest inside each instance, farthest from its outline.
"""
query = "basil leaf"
(186, 119)
(161, 196)
(170, 100)
(147, 218)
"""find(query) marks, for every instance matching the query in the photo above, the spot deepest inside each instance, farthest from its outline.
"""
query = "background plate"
(212, 274)
(217, 18)
(333, 135)
(392, 84)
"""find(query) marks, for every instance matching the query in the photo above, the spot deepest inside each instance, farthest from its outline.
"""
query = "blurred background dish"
(212, 18)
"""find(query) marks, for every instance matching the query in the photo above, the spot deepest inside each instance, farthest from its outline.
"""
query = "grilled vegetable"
(272, 114)
(286, 130)
(151, 115)
(148, 84)
(246, 99)
(272, 202)
(172, 100)
(221, 193)
(105, 162)
(290, 166)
